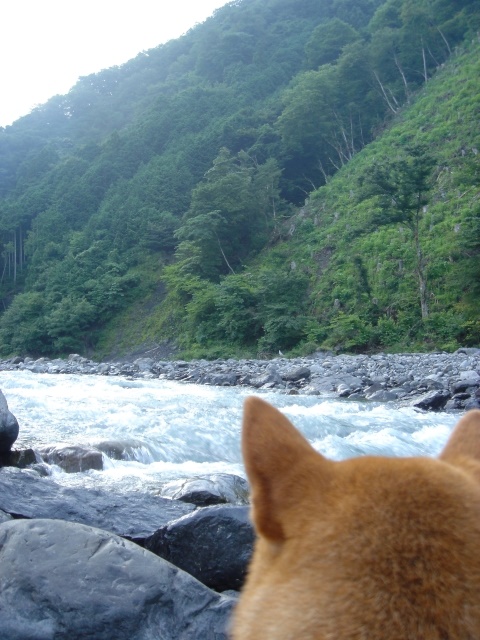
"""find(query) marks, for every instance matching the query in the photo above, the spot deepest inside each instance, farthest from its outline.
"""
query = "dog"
(372, 548)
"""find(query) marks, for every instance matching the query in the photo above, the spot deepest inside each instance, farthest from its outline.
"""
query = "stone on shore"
(403, 378)
(432, 401)
(203, 491)
(8, 426)
(65, 581)
(136, 516)
(213, 544)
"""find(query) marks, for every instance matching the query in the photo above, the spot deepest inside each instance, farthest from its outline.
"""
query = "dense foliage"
(163, 198)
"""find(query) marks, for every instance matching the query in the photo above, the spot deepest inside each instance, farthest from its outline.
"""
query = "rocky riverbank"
(77, 563)
(429, 381)
(84, 562)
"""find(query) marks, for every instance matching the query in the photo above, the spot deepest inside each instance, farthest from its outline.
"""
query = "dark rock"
(64, 581)
(132, 515)
(213, 544)
(300, 373)
(432, 401)
(8, 426)
(218, 488)
(20, 458)
(72, 458)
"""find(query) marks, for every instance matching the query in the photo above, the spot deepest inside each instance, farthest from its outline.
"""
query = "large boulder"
(131, 515)
(432, 401)
(65, 581)
(213, 544)
(296, 374)
(4, 517)
(203, 491)
(8, 426)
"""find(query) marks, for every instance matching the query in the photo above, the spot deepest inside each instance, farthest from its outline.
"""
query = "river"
(164, 430)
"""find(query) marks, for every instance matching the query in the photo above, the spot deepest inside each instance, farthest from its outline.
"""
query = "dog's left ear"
(279, 462)
(465, 439)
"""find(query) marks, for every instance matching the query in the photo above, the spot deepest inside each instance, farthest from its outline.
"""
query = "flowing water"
(165, 430)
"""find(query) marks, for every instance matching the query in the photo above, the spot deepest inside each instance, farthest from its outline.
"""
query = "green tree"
(327, 41)
(402, 185)
(230, 216)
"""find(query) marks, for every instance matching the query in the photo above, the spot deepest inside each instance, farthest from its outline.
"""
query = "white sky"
(45, 45)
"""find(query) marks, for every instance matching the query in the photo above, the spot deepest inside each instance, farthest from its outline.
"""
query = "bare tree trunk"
(225, 257)
(445, 40)
(420, 268)
(405, 83)
(326, 177)
(425, 75)
(384, 93)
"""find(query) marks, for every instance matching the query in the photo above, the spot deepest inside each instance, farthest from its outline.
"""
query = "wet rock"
(218, 488)
(432, 401)
(20, 458)
(8, 426)
(72, 458)
(213, 544)
(65, 581)
(136, 516)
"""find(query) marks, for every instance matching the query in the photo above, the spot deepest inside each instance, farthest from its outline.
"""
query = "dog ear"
(276, 458)
(465, 439)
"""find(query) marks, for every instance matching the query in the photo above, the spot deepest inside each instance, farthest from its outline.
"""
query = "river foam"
(152, 431)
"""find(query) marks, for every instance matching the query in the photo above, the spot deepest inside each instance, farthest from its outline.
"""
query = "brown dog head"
(370, 548)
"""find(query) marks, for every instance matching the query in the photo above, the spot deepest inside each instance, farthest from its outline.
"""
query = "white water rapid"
(167, 430)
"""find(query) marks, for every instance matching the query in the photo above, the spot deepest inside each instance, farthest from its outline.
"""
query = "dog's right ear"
(277, 461)
(465, 439)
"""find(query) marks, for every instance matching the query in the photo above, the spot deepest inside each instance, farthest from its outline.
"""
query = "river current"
(164, 430)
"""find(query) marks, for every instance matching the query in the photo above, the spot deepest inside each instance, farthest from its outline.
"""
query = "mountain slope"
(345, 273)
(159, 199)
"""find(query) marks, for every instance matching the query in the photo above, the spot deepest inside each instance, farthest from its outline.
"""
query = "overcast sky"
(45, 45)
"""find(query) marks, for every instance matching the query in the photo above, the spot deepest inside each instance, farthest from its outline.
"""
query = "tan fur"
(365, 549)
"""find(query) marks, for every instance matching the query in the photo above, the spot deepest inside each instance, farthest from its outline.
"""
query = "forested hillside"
(290, 174)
